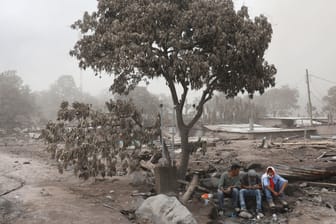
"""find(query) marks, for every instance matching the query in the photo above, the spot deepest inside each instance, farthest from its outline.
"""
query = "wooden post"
(165, 179)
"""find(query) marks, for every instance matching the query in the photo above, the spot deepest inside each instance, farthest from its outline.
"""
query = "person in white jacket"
(274, 186)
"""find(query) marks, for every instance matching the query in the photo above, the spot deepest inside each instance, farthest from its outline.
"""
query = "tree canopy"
(17, 104)
(195, 44)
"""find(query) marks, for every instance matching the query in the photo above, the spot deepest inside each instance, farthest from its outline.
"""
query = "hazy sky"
(36, 37)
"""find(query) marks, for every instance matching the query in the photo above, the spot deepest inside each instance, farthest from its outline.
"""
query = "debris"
(191, 188)
(292, 137)
(321, 155)
(44, 192)
(198, 186)
(329, 205)
(147, 194)
(109, 197)
(27, 162)
(322, 184)
(304, 184)
(235, 139)
(333, 158)
(207, 196)
(164, 210)
(320, 146)
(107, 206)
(328, 156)
(130, 214)
(299, 173)
(264, 144)
(317, 199)
(327, 143)
(139, 178)
(148, 165)
(324, 190)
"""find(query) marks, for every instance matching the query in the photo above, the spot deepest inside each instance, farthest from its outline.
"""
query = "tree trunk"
(182, 170)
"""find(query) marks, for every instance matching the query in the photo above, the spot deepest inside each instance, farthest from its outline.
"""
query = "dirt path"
(33, 192)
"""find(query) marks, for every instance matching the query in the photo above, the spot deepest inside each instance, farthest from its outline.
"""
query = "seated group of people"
(236, 186)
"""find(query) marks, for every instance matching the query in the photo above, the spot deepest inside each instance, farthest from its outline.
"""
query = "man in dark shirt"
(250, 186)
(228, 185)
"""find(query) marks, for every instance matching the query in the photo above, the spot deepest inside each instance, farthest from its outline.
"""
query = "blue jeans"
(277, 188)
(246, 192)
(234, 196)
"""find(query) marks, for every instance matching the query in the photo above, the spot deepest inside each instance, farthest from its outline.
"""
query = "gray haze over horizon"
(36, 38)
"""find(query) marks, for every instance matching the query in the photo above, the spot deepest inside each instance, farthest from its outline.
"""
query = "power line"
(317, 97)
(317, 92)
(317, 77)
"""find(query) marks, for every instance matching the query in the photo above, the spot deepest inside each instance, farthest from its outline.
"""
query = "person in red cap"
(273, 185)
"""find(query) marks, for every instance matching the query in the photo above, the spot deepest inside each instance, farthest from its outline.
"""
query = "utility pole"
(310, 110)
(251, 119)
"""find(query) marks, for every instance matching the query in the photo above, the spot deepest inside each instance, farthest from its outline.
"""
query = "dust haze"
(36, 38)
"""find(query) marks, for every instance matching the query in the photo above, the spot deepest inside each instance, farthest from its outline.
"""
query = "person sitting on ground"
(250, 186)
(273, 186)
(228, 185)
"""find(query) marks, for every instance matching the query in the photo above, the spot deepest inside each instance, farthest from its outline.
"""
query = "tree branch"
(206, 96)
(184, 94)
(172, 89)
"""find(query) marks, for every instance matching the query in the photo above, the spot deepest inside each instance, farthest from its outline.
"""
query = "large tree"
(195, 44)
(17, 104)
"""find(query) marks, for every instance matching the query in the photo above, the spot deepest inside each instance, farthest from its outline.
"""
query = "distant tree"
(195, 44)
(147, 103)
(63, 89)
(17, 104)
(237, 110)
(279, 101)
(330, 101)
